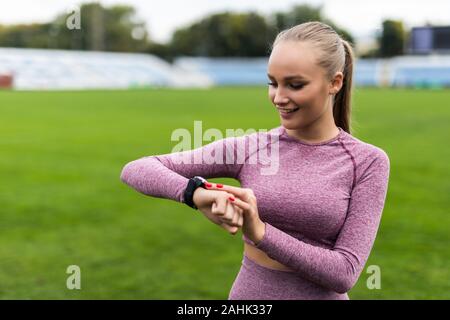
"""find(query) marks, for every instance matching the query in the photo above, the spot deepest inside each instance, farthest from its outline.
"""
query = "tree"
(224, 34)
(106, 29)
(296, 15)
(21, 35)
(305, 13)
(117, 28)
(245, 34)
(392, 38)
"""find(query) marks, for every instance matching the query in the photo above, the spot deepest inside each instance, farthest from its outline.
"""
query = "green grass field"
(62, 203)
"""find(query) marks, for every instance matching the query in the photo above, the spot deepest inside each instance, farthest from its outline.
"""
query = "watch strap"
(192, 185)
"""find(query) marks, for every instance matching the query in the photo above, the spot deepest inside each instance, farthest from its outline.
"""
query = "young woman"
(309, 227)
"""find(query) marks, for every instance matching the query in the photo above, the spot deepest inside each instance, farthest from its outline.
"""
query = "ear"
(336, 83)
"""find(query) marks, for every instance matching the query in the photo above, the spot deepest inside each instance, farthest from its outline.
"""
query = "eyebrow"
(289, 77)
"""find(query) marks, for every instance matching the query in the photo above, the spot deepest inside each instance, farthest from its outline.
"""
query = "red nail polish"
(219, 185)
(208, 185)
(231, 198)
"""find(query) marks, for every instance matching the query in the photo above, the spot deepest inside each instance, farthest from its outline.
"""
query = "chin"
(291, 124)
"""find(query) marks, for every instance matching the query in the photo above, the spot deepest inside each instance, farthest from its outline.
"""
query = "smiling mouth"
(286, 111)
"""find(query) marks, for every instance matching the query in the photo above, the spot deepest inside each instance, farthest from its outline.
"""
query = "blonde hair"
(334, 55)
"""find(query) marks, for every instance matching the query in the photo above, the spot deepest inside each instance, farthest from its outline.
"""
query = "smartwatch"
(192, 185)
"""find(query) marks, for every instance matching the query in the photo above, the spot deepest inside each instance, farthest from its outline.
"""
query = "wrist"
(197, 195)
(193, 184)
(258, 235)
(261, 230)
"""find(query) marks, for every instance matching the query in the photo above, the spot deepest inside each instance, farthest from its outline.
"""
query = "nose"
(280, 97)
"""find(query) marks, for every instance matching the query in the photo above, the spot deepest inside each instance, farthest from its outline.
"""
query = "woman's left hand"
(253, 227)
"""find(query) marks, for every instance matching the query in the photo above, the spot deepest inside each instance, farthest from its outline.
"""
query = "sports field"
(62, 202)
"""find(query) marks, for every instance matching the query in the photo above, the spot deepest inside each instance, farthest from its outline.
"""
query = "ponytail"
(342, 100)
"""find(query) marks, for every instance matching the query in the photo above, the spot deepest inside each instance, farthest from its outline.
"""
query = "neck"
(314, 135)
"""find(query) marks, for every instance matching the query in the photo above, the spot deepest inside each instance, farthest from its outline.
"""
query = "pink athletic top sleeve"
(321, 202)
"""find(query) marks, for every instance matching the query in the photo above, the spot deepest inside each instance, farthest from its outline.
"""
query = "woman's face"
(298, 84)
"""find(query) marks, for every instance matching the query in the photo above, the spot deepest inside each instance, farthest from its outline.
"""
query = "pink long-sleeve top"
(321, 202)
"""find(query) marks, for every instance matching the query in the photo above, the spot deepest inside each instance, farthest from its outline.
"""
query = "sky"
(361, 18)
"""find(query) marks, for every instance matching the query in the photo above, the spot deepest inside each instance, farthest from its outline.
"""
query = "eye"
(292, 86)
(297, 86)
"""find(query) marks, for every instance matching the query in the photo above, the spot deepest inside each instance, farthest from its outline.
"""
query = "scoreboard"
(426, 40)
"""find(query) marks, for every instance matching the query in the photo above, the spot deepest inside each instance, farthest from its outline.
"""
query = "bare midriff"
(261, 258)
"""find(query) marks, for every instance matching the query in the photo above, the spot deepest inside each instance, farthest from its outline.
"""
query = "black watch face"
(201, 179)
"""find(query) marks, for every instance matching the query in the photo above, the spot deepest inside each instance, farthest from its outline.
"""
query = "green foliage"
(102, 28)
(296, 15)
(248, 34)
(225, 34)
(33, 35)
(392, 39)
(305, 13)
(117, 28)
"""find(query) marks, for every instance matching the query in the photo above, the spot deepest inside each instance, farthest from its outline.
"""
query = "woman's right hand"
(214, 204)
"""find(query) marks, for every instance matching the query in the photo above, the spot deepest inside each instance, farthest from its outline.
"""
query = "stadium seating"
(34, 69)
(59, 69)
